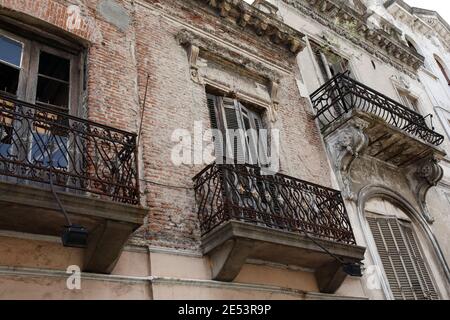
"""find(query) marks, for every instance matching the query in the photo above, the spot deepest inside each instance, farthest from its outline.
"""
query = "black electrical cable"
(55, 195)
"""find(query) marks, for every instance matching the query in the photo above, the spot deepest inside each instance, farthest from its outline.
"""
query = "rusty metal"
(37, 143)
(227, 192)
(341, 95)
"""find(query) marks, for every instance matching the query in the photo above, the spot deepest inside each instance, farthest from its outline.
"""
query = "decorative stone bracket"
(423, 176)
(345, 145)
(274, 86)
(193, 53)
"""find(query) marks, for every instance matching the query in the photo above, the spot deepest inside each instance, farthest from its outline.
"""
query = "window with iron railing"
(43, 75)
(42, 137)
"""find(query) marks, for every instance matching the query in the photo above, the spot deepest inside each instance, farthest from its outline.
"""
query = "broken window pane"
(9, 79)
(53, 81)
(54, 66)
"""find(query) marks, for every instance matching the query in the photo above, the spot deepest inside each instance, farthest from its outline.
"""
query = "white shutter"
(402, 261)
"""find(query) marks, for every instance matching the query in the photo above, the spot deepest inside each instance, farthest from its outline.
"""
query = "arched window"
(400, 251)
(441, 66)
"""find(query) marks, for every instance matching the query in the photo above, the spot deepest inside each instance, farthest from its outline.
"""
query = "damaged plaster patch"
(114, 13)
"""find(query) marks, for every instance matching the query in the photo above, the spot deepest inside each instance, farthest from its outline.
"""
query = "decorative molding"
(384, 43)
(427, 22)
(426, 174)
(263, 24)
(196, 44)
(345, 145)
(193, 42)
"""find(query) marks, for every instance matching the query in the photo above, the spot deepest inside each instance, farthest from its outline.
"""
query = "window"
(239, 123)
(330, 63)
(46, 76)
(402, 259)
(443, 69)
(409, 101)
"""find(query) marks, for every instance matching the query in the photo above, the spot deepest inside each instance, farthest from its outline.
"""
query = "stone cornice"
(385, 43)
(427, 22)
(264, 25)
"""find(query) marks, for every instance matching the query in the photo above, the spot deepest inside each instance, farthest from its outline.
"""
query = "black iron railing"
(227, 192)
(342, 94)
(37, 143)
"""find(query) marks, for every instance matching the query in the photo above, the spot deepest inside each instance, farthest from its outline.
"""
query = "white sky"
(441, 6)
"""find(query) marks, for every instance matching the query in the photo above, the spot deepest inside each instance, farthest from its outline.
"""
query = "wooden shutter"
(233, 121)
(212, 102)
(212, 108)
(403, 264)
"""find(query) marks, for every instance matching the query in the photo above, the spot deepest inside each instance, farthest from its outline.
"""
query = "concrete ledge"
(21, 194)
(233, 243)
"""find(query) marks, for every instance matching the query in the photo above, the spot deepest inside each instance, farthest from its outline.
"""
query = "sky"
(441, 6)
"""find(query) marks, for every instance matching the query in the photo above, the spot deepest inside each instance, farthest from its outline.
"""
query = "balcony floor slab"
(29, 209)
(230, 245)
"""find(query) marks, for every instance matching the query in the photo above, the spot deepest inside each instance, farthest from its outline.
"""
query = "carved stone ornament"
(345, 145)
(274, 86)
(427, 174)
(264, 24)
(193, 54)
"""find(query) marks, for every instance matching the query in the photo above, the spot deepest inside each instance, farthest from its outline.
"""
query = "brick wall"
(119, 60)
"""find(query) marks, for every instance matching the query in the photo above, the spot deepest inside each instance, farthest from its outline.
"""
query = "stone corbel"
(274, 88)
(345, 145)
(425, 175)
(193, 54)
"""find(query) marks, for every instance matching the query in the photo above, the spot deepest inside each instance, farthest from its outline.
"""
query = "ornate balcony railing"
(37, 143)
(342, 94)
(240, 192)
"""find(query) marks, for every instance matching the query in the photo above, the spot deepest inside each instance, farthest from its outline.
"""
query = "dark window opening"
(53, 81)
(412, 46)
(9, 79)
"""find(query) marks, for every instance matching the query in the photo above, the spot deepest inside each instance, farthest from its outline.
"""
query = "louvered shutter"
(235, 145)
(427, 283)
(403, 264)
(213, 116)
(211, 100)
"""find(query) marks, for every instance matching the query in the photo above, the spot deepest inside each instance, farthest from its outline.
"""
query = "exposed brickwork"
(118, 65)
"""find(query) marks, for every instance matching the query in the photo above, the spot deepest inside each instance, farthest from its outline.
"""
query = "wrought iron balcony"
(240, 192)
(245, 215)
(38, 144)
(341, 95)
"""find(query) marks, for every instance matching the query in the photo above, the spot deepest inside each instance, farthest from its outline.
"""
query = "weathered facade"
(96, 97)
